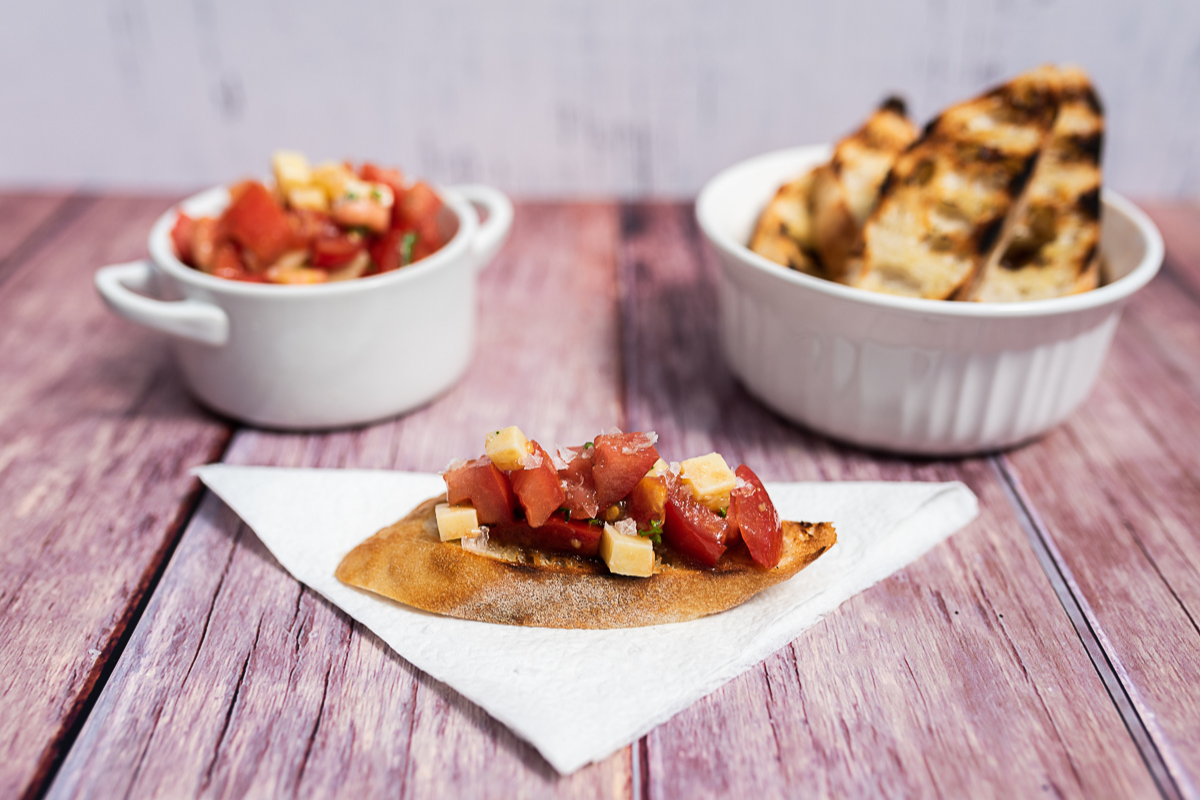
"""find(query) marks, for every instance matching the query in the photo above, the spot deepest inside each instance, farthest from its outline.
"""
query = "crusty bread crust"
(1055, 243)
(949, 205)
(409, 563)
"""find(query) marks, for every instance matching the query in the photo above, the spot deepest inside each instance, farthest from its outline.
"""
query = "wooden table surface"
(150, 646)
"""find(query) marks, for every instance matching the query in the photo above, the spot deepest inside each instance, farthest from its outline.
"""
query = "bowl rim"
(1108, 294)
(215, 198)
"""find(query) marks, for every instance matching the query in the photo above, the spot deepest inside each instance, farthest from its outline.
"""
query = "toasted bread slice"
(408, 562)
(1055, 243)
(949, 204)
(846, 189)
(784, 230)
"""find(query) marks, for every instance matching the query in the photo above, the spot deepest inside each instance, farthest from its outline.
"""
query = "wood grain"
(1116, 490)
(959, 675)
(239, 682)
(96, 438)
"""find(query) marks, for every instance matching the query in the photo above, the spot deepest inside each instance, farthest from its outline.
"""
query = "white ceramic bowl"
(909, 375)
(322, 356)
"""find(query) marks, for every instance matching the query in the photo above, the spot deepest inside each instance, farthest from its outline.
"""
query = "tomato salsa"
(612, 498)
(330, 222)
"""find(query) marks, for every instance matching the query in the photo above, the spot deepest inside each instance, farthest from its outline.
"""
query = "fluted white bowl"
(908, 375)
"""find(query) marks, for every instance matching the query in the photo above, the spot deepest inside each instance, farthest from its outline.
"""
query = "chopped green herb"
(589, 444)
(406, 251)
(721, 512)
(654, 532)
(376, 194)
(566, 514)
(595, 522)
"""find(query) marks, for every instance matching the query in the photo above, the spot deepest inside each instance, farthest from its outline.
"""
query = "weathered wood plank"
(1116, 491)
(959, 675)
(96, 438)
(240, 682)
(21, 216)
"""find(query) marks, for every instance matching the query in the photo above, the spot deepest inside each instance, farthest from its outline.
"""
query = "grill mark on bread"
(948, 210)
(1054, 251)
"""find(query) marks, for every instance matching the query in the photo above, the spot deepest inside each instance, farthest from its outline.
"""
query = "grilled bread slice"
(784, 230)
(1055, 243)
(845, 190)
(948, 206)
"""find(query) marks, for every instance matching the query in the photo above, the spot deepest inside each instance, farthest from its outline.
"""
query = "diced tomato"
(227, 262)
(693, 530)
(307, 225)
(756, 518)
(578, 485)
(385, 252)
(181, 237)
(486, 488)
(648, 501)
(258, 223)
(537, 487)
(418, 211)
(391, 178)
(334, 251)
(556, 535)
(620, 461)
(206, 237)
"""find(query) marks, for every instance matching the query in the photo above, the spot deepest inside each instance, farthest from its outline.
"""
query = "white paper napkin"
(553, 687)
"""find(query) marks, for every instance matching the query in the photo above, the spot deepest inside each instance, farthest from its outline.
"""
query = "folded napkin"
(555, 688)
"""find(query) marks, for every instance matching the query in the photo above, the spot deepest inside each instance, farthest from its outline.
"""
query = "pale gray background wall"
(558, 99)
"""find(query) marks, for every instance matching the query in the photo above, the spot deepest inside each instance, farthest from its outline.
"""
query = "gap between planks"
(71, 208)
(1137, 718)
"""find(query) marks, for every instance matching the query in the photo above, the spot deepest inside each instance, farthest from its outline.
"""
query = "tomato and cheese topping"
(316, 224)
(612, 498)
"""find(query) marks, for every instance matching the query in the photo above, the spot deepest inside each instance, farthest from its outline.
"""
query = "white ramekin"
(323, 356)
(909, 375)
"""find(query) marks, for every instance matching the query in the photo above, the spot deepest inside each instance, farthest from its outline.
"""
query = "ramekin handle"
(493, 230)
(119, 286)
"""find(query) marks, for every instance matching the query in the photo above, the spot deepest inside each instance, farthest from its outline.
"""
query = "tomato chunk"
(334, 251)
(556, 535)
(418, 211)
(392, 178)
(648, 501)
(385, 252)
(578, 484)
(621, 460)
(486, 488)
(181, 236)
(258, 223)
(756, 518)
(694, 531)
(537, 487)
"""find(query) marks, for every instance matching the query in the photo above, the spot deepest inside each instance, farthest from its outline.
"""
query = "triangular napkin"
(552, 687)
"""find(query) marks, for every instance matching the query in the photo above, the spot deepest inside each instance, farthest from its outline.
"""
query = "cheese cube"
(291, 169)
(310, 197)
(333, 177)
(507, 448)
(659, 469)
(710, 479)
(626, 555)
(455, 522)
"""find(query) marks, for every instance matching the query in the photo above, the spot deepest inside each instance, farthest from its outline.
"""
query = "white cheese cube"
(710, 479)
(507, 448)
(291, 170)
(455, 522)
(626, 555)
